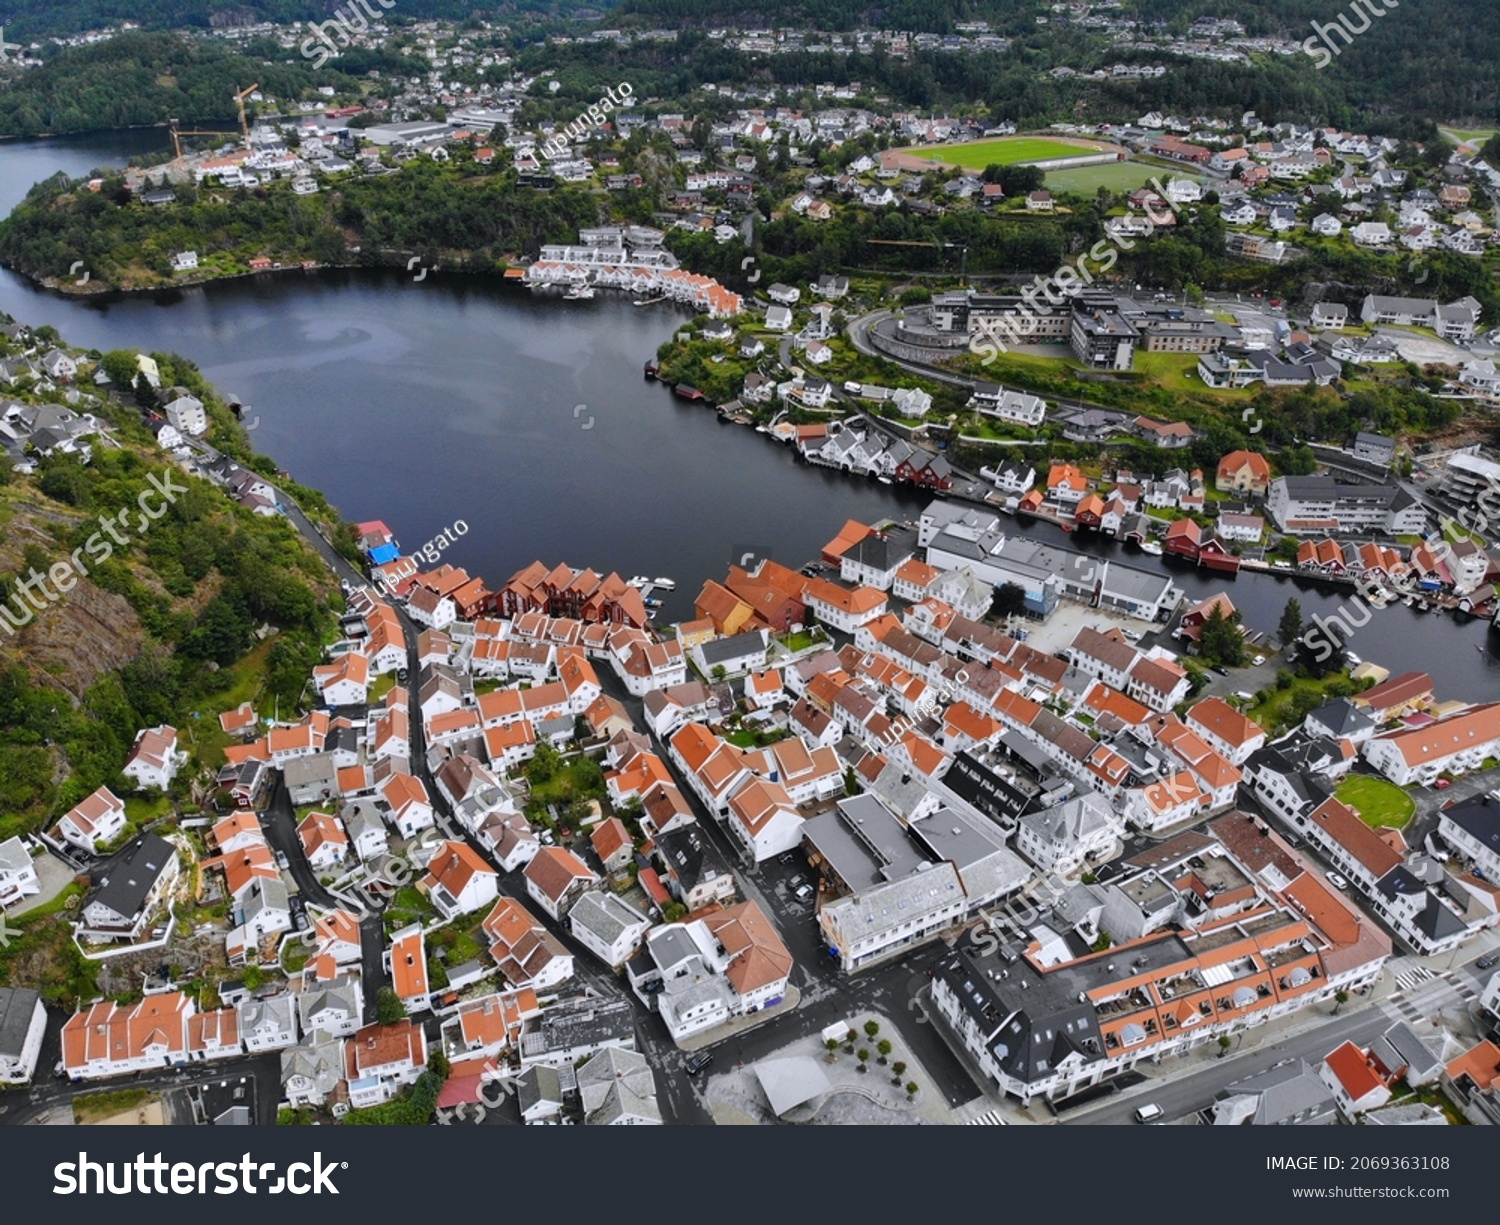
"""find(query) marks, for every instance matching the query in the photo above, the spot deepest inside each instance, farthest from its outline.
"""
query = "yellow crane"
(178, 133)
(239, 101)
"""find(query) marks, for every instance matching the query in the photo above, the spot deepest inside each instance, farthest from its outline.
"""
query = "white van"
(1148, 1113)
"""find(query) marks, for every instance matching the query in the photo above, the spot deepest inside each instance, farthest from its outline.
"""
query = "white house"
(186, 413)
(268, 1024)
(381, 1060)
(1455, 745)
(763, 820)
(155, 759)
(1067, 836)
(18, 878)
(556, 878)
(458, 881)
(331, 1009)
(94, 821)
(23, 1022)
(730, 963)
(609, 928)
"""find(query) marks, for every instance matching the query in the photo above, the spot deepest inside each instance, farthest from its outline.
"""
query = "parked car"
(1148, 1113)
(1337, 881)
(1488, 960)
(282, 861)
(698, 1062)
(1442, 784)
(803, 893)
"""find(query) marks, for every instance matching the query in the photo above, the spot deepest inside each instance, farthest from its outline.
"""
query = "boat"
(579, 293)
(640, 580)
(885, 480)
(1150, 546)
(666, 584)
(1409, 601)
(651, 603)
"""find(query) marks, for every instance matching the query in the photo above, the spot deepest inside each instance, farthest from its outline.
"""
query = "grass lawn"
(1117, 177)
(1004, 151)
(139, 810)
(800, 641)
(1380, 803)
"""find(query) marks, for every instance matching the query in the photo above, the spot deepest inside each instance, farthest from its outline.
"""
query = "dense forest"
(144, 78)
(441, 212)
(45, 18)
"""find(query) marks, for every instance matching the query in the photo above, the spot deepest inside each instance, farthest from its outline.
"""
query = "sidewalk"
(744, 1024)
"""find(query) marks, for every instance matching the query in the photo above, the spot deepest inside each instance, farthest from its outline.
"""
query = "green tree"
(883, 1047)
(871, 1029)
(388, 1006)
(1289, 628)
(1221, 641)
(1009, 599)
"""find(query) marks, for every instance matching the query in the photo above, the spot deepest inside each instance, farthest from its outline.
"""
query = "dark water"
(425, 403)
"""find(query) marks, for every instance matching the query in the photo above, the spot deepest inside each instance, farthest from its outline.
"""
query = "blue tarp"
(384, 553)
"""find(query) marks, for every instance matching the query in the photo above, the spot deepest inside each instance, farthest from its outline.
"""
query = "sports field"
(1006, 151)
(1116, 176)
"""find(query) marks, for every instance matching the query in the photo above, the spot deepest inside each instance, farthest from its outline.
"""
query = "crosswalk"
(1413, 977)
(990, 1118)
(1433, 990)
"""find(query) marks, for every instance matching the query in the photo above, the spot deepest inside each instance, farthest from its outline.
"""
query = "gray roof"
(791, 1081)
(1479, 817)
(339, 994)
(617, 1083)
(17, 1007)
(538, 1084)
(589, 1022)
(1071, 821)
(604, 915)
(733, 649)
(318, 1062)
(126, 880)
(277, 1011)
(1342, 718)
(690, 857)
(14, 856)
(1290, 1093)
(884, 551)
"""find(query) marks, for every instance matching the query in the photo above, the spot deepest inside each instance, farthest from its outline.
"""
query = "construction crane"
(239, 101)
(963, 266)
(178, 133)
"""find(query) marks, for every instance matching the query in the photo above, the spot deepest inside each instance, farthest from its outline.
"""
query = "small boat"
(579, 293)
(640, 580)
(665, 584)
(651, 603)
(885, 480)
(1151, 547)
(1409, 601)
